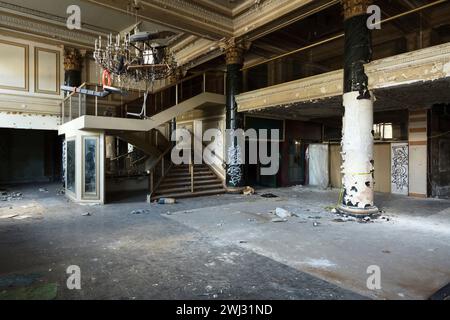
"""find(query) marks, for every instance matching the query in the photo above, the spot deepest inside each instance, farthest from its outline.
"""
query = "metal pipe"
(342, 35)
(204, 82)
(70, 108)
(96, 102)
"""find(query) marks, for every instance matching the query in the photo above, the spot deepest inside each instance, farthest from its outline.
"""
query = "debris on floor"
(43, 190)
(22, 217)
(140, 211)
(61, 192)
(5, 196)
(22, 212)
(8, 216)
(276, 220)
(248, 191)
(167, 201)
(344, 218)
(316, 224)
(269, 195)
(365, 220)
(282, 213)
(86, 214)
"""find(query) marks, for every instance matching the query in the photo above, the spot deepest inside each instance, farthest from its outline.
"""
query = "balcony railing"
(77, 104)
(401, 31)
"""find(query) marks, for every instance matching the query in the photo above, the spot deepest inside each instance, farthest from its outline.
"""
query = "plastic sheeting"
(318, 165)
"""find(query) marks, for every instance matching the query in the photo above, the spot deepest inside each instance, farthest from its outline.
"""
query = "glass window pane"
(70, 183)
(90, 167)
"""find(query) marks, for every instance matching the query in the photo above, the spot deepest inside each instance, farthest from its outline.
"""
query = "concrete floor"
(222, 247)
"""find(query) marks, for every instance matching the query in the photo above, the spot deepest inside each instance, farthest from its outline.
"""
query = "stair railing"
(159, 170)
(206, 146)
(191, 169)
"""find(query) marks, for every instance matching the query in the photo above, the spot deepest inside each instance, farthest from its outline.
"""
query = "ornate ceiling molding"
(183, 15)
(43, 16)
(53, 32)
(204, 23)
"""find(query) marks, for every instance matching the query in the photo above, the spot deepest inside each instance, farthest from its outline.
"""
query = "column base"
(234, 190)
(357, 212)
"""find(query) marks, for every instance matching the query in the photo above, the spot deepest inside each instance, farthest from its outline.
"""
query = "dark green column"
(235, 179)
(172, 128)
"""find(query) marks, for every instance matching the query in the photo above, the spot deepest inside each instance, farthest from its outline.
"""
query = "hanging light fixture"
(137, 56)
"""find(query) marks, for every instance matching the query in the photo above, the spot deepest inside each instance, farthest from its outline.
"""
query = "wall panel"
(14, 66)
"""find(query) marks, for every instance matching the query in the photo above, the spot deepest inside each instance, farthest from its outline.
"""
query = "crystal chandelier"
(136, 56)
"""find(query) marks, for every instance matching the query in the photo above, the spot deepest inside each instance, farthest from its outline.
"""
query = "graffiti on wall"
(399, 168)
(234, 170)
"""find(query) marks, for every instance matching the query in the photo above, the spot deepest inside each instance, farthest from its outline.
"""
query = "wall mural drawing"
(399, 168)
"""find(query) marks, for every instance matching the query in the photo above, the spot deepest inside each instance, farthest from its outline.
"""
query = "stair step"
(187, 168)
(169, 184)
(186, 171)
(188, 178)
(190, 194)
(188, 175)
(188, 189)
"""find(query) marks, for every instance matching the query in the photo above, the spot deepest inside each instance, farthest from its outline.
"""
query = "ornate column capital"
(177, 75)
(234, 50)
(72, 59)
(354, 8)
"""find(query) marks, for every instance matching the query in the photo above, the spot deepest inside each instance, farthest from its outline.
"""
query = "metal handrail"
(206, 146)
(210, 166)
(176, 84)
(74, 92)
(187, 79)
(153, 185)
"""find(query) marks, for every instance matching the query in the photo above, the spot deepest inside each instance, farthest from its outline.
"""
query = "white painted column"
(357, 155)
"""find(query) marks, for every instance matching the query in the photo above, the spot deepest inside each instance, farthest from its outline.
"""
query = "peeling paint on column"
(357, 124)
(357, 152)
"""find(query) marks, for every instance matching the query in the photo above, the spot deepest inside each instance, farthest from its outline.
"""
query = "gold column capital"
(234, 50)
(177, 75)
(72, 59)
(353, 8)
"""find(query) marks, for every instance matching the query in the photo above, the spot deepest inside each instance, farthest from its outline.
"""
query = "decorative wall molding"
(37, 73)
(26, 61)
(19, 104)
(29, 121)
